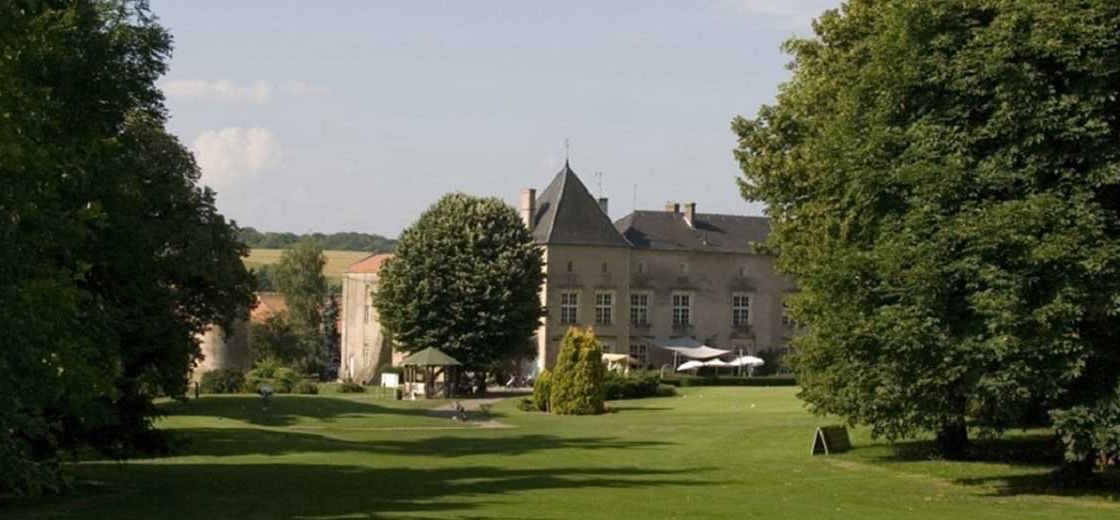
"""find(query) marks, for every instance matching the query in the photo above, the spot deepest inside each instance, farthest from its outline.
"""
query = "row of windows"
(639, 309)
(641, 268)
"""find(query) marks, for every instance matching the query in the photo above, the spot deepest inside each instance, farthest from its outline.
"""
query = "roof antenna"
(599, 179)
(567, 151)
(635, 206)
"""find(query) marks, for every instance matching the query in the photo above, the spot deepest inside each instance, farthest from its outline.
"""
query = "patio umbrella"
(746, 361)
(716, 363)
(690, 365)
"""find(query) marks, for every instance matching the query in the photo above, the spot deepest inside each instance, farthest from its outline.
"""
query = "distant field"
(337, 261)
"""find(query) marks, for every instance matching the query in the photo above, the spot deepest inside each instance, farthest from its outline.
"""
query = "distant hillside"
(349, 241)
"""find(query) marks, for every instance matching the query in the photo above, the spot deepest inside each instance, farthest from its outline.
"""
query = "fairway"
(708, 453)
(337, 261)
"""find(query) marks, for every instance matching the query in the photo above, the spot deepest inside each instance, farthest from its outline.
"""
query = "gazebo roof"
(431, 356)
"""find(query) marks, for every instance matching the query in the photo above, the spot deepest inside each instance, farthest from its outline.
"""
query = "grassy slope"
(711, 453)
(337, 261)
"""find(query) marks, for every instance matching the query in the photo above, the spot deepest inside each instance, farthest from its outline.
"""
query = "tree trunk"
(952, 439)
(480, 382)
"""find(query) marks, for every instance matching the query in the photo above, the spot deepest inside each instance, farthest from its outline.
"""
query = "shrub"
(542, 390)
(269, 371)
(577, 380)
(527, 405)
(666, 390)
(307, 387)
(223, 381)
(350, 387)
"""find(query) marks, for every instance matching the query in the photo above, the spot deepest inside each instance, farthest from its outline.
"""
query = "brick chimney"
(528, 206)
(690, 214)
(603, 205)
(672, 207)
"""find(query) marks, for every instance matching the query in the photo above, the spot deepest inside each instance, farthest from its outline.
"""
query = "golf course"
(710, 452)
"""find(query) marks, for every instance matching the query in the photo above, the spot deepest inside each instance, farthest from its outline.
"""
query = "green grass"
(337, 261)
(708, 453)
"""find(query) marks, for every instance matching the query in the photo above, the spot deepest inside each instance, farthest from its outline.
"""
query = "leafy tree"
(299, 277)
(113, 258)
(465, 279)
(345, 241)
(944, 186)
(276, 338)
(577, 386)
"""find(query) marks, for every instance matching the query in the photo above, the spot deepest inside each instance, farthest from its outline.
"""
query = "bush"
(269, 371)
(732, 381)
(224, 381)
(307, 387)
(666, 390)
(577, 380)
(636, 385)
(350, 387)
(527, 405)
(542, 390)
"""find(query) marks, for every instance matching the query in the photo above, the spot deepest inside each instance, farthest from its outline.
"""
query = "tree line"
(344, 241)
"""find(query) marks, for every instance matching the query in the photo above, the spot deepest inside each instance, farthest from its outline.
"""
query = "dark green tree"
(113, 258)
(299, 277)
(465, 278)
(577, 386)
(944, 186)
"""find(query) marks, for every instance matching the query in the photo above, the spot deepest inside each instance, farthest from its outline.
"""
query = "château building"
(649, 280)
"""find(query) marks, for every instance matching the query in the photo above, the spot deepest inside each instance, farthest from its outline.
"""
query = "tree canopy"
(344, 241)
(944, 185)
(465, 278)
(113, 258)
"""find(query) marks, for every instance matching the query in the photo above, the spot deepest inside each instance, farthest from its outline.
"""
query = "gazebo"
(430, 364)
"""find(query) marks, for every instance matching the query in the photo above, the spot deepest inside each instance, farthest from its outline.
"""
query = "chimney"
(690, 214)
(528, 206)
(672, 207)
(603, 205)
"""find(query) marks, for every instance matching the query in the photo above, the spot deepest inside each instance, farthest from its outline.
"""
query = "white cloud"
(787, 14)
(257, 92)
(234, 154)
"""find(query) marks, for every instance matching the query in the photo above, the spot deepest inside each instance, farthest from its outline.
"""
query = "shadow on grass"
(282, 410)
(1032, 459)
(242, 441)
(194, 491)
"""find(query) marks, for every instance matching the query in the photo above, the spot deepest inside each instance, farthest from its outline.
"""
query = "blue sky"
(355, 116)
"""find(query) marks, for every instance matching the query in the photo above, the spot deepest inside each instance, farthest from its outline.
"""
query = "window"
(787, 320)
(604, 308)
(742, 271)
(641, 267)
(740, 309)
(682, 269)
(682, 309)
(569, 308)
(639, 308)
(639, 352)
(607, 347)
(605, 268)
(570, 267)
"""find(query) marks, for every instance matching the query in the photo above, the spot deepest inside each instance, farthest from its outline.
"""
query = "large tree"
(465, 278)
(113, 258)
(944, 185)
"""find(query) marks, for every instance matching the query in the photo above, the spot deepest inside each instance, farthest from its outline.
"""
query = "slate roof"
(567, 214)
(268, 304)
(369, 264)
(666, 230)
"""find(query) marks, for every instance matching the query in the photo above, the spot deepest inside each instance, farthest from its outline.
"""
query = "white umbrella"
(746, 361)
(690, 365)
(716, 363)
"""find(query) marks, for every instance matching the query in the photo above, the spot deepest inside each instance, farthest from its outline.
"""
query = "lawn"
(337, 261)
(708, 453)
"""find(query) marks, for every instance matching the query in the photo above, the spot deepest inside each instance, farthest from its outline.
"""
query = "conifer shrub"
(542, 389)
(351, 387)
(577, 379)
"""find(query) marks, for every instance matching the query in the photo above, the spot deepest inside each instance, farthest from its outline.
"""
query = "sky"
(358, 115)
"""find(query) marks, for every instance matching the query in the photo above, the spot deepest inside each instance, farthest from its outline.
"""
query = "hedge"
(731, 381)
